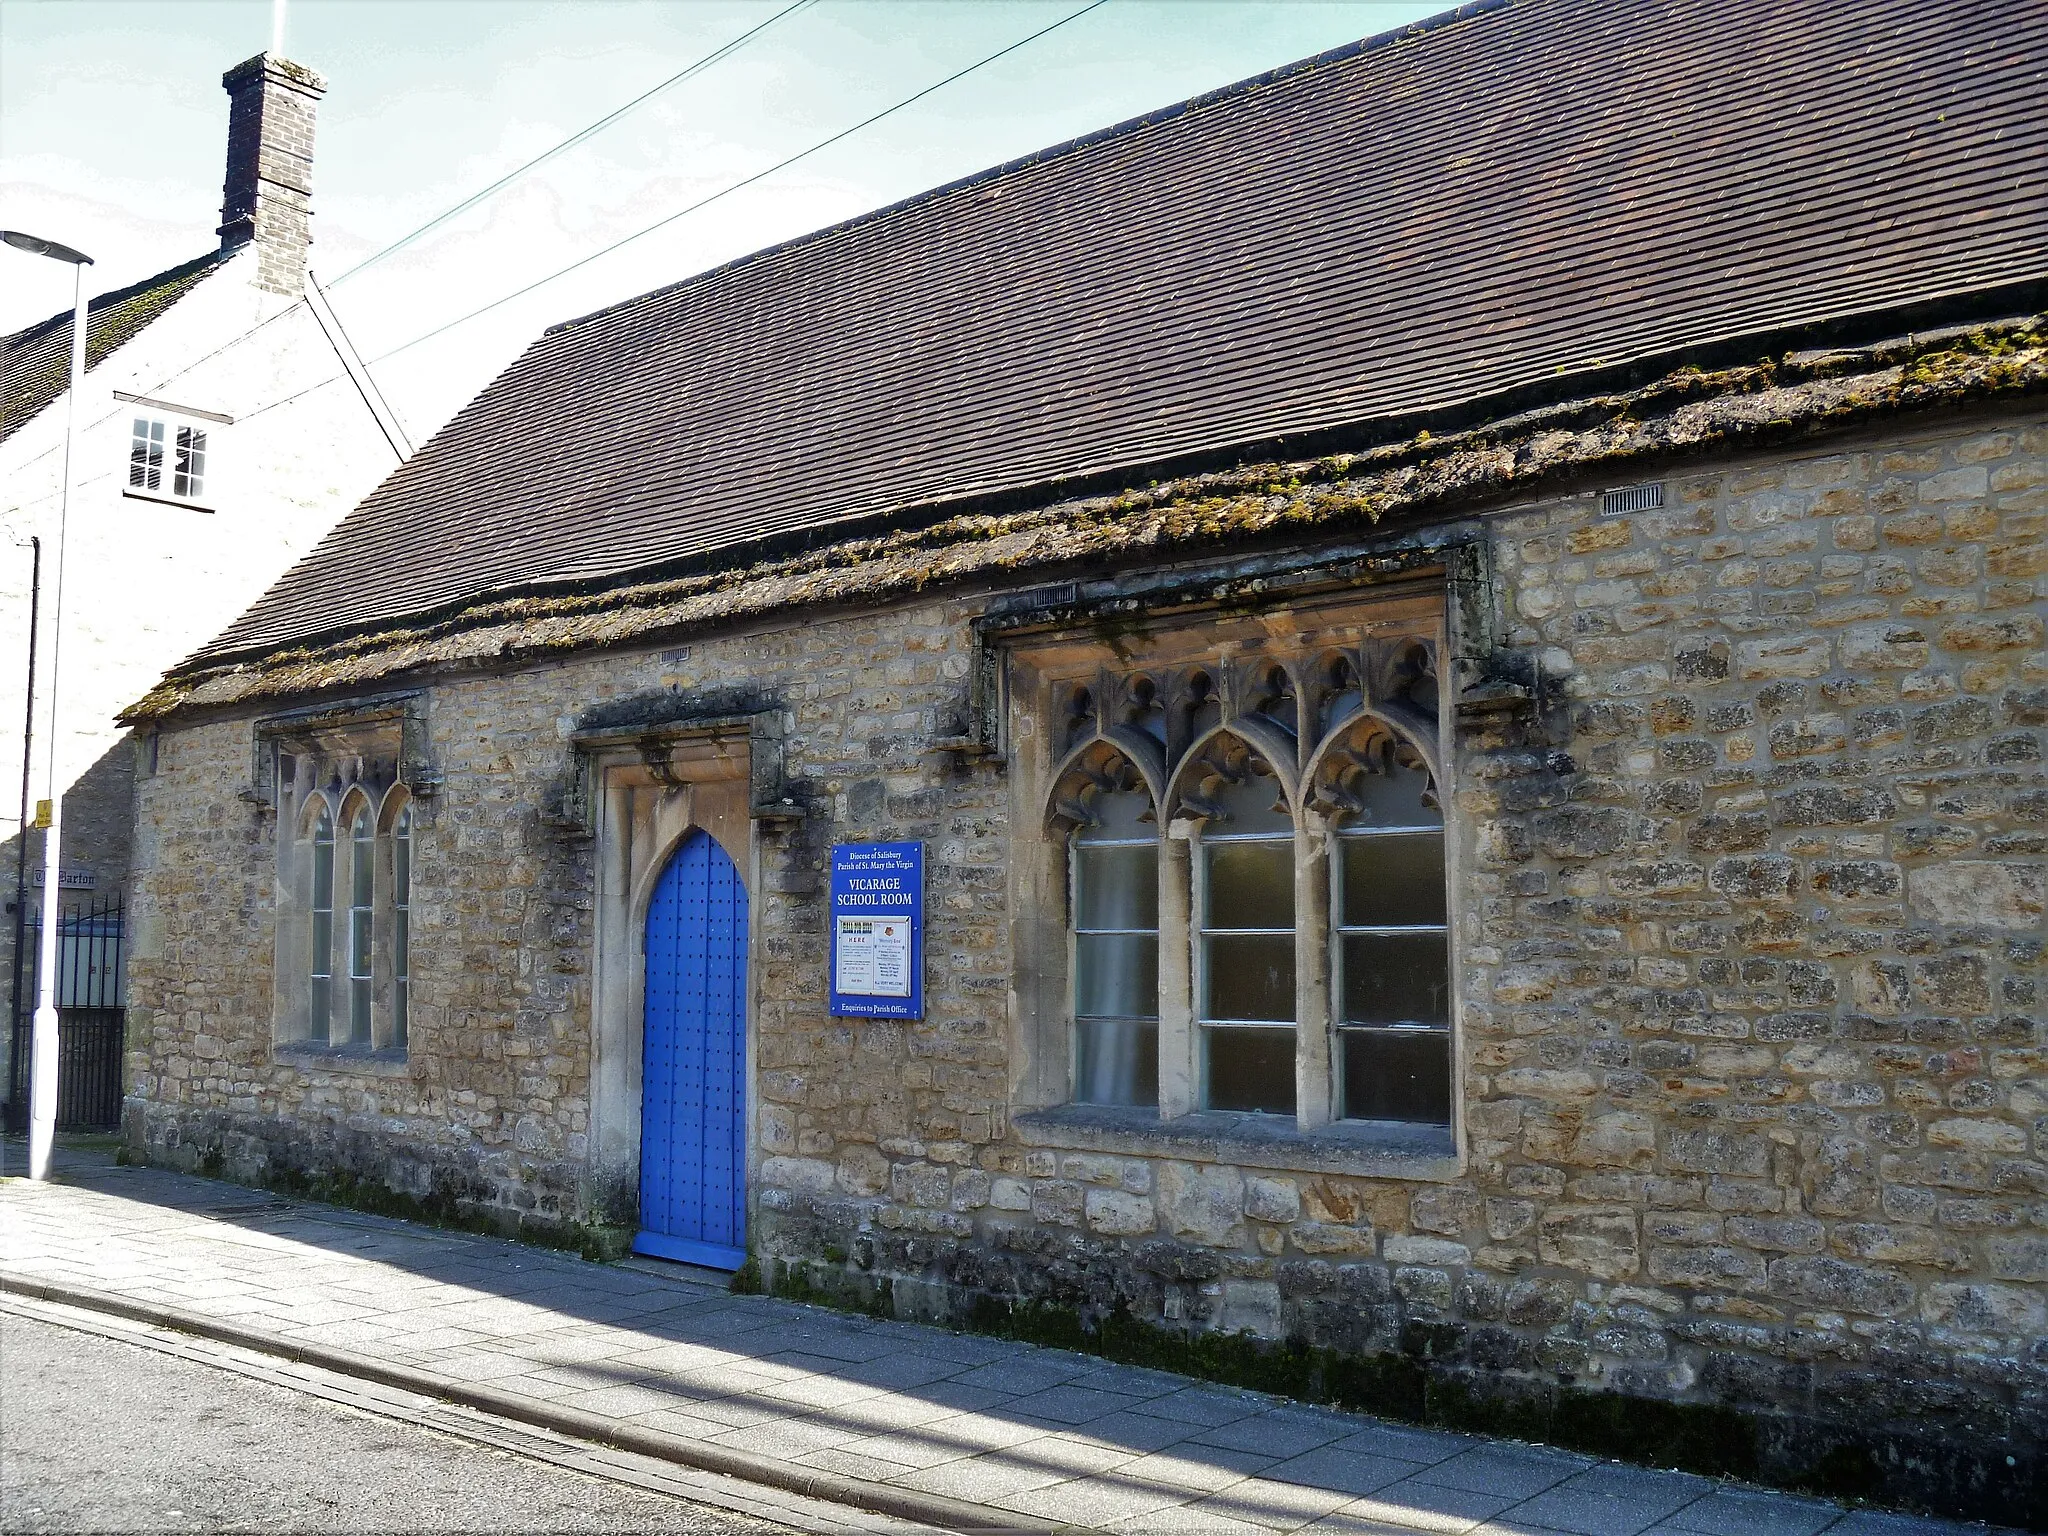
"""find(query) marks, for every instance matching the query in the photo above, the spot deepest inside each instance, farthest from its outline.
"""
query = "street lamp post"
(42, 1091)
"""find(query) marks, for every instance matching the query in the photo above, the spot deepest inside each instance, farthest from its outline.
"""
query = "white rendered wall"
(147, 583)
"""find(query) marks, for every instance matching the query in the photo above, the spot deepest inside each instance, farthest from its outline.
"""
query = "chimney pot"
(267, 198)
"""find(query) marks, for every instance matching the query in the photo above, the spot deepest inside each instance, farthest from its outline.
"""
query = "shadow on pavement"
(1054, 1435)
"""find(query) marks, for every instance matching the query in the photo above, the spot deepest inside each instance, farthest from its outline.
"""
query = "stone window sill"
(1358, 1148)
(342, 1058)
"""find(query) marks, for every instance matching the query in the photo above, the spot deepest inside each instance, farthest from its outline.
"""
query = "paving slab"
(1741, 1512)
(1027, 1437)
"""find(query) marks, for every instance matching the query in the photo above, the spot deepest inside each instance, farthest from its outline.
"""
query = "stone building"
(1465, 664)
(207, 469)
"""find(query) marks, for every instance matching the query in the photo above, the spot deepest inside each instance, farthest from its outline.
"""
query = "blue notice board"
(877, 930)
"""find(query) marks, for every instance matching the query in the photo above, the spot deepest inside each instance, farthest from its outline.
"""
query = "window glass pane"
(359, 1011)
(1116, 1062)
(362, 864)
(321, 1004)
(1394, 799)
(359, 942)
(1249, 976)
(316, 1029)
(189, 479)
(1397, 978)
(1116, 887)
(1250, 885)
(1116, 976)
(1397, 1075)
(146, 455)
(1251, 1069)
(1392, 881)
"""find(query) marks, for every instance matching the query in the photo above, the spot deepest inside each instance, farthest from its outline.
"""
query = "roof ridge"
(1130, 125)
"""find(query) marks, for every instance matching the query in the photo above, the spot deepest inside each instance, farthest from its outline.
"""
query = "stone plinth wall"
(1754, 1079)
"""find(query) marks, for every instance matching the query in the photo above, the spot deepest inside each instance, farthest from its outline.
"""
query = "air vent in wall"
(1632, 498)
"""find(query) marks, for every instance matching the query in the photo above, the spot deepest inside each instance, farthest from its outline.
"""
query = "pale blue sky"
(112, 125)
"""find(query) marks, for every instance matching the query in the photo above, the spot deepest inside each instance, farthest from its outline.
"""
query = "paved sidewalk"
(1038, 1437)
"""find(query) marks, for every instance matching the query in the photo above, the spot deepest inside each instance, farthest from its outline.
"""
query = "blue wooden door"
(693, 1105)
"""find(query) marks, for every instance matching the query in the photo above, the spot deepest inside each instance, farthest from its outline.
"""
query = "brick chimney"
(269, 192)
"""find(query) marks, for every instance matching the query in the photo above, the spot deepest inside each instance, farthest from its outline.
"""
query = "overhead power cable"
(703, 202)
(723, 192)
(573, 140)
(723, 52)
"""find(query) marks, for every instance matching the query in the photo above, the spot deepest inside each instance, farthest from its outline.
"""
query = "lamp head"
(35, 245)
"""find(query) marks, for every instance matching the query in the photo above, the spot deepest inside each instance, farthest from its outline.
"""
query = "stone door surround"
(646, 789)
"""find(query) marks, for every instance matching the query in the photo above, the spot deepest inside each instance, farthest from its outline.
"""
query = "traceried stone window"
(346, 941)
(351, 784)
(1252, 844)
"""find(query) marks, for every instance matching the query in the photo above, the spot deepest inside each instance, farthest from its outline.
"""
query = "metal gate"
(693, 1106)
(91, 1018)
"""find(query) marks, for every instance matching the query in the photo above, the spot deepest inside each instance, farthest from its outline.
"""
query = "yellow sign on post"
(42, 821)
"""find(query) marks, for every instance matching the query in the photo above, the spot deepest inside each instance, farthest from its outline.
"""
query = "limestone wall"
(1754, 1079)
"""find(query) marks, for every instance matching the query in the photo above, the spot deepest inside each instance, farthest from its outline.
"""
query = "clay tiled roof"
(35, 362)
(1515, 199)
(1332, 510)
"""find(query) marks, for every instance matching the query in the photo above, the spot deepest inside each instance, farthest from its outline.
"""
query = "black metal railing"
(91, 1017)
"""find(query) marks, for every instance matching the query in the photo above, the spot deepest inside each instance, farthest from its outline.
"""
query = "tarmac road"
(98, 1435)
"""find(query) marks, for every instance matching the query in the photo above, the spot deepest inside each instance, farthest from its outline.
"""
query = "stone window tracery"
(1252, 838)
(353, 784)
(344, 934)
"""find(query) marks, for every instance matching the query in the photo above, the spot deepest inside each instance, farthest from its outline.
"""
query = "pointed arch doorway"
(693, 1196)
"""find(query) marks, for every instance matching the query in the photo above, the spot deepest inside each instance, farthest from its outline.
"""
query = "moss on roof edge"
(1686, 413)
(113, 319)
